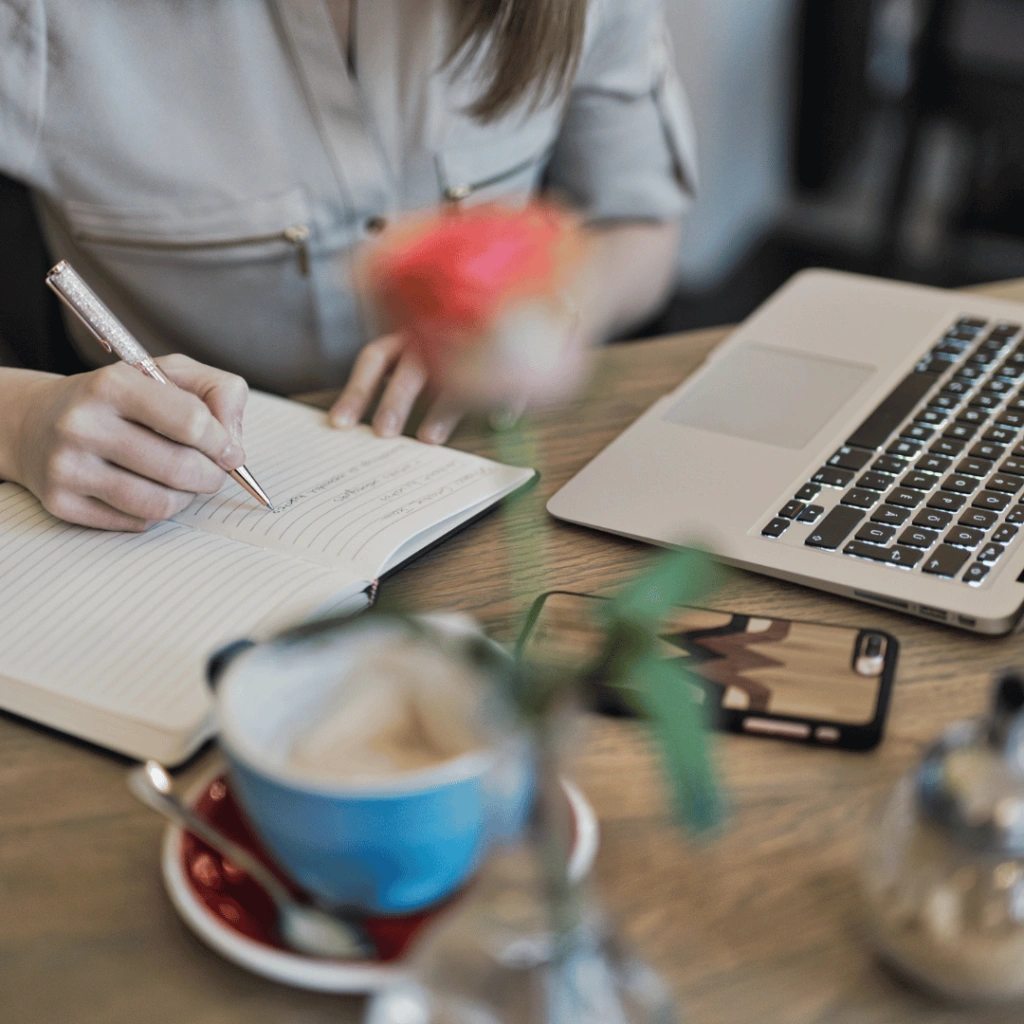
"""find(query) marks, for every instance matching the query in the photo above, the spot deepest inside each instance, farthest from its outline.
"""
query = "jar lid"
(971, 782)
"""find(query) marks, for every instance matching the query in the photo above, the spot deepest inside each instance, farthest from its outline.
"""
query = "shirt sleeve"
(22, 83)
(626, 148)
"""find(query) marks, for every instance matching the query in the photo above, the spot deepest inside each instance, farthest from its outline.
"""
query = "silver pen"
(114, 337)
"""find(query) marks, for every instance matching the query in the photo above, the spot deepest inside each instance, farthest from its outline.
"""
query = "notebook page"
(125, 622)
(346, 497)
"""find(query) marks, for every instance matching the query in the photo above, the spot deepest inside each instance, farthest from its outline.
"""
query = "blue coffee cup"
(389, 846)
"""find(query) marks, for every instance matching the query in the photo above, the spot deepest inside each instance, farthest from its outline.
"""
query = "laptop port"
(966, 620)
(932, 613)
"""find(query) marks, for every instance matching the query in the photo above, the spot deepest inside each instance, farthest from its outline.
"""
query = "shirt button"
(375, 225)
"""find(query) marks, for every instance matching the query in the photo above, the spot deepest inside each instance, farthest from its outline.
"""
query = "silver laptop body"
(855, 435)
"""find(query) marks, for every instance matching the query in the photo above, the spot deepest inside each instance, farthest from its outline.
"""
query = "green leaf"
(676, 578)
(661, 688)
(666, 692)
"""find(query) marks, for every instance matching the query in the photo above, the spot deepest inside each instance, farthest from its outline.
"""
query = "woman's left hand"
(390, 358)
(531, 360)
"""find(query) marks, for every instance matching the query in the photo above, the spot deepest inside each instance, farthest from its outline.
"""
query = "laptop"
(860, 436)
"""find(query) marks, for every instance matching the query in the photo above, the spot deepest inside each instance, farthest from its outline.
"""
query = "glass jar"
(943, 869)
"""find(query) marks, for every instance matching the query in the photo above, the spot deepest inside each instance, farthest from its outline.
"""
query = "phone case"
(779, 678)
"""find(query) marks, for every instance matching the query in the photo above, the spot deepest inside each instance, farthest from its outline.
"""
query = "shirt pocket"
(233, 285)
(271, 228)
(507, 167)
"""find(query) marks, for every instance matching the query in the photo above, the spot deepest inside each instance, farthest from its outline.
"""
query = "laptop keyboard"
(933, 480)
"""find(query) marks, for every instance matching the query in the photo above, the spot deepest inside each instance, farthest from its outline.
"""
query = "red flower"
(444, 281)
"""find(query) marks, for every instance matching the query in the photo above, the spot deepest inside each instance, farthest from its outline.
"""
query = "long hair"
(531, 49)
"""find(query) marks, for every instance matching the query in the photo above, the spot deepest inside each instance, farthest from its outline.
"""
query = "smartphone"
(783, 679)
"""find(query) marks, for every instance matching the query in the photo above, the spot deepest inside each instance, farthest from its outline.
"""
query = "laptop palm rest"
(773, 395)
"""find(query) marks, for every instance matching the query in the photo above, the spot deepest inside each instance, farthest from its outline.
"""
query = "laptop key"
(933, 519)
(904, 449)
(933, 463)
(1005, 534)
(791, 509)
(992, 500)
(978, 518)
(972, 415)
(987, 450)
(834, 528)
(875, 481)
(960, 431)
(1015, 515)
(889, 464)
(850, 458)
(917, 432)
(1000, 435)
(947, 501)
(895, 555)
(1005, 482)
(944, 446)
(892, 410)
(964, 537)
(807, 492)
(961, 484)
(996, 386)
(985, 401)
(890, 514)
(876, 533)
(900, 555)
(917, 537)
(974, 467)
(969, 372)
(833, 477)
(1013, 465)
(932, 417)
(945, 561)
(990, 553)
(947, 402)
(919, 481)
(776, 528)
(860, 498)
(970, 324)
(810, 514)
(905, 496)
(976, 573)
(1011, 418)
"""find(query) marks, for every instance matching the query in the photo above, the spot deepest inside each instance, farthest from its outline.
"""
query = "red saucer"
(242, 905)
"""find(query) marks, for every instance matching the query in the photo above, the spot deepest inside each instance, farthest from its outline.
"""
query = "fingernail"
(343, 418)
(387, 424)
(434, 434)
(233, 457)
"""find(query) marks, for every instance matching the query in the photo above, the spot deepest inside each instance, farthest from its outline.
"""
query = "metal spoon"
(306, 929)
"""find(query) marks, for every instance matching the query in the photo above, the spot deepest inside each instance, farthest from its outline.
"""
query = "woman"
(211, 169)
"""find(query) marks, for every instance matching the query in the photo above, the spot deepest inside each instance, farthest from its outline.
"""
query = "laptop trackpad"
(773, 395)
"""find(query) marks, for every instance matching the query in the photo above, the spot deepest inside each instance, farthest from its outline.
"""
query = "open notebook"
(106, 635)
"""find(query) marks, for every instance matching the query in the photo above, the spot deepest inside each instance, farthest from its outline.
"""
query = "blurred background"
(879, 136)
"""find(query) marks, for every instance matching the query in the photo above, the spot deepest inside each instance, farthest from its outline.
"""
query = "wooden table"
(764, 926)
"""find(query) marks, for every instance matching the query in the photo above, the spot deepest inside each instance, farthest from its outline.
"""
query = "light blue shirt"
(211, 167)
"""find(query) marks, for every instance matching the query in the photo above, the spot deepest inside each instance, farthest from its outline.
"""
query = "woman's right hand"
(116, 450)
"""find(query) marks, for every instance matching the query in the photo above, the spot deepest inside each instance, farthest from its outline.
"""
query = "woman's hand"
(116, 450)
(524, 363)
(390, 357)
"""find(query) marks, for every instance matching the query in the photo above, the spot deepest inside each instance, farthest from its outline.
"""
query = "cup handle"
(220, 660)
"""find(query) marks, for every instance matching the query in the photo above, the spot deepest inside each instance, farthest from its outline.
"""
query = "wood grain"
(764, 924)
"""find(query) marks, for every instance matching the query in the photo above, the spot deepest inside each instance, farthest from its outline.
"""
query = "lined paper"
(126, 622)
(345, 497)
